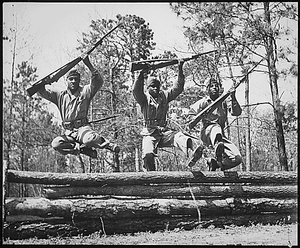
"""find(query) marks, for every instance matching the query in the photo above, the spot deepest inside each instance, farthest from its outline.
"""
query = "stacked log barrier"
(130, 202)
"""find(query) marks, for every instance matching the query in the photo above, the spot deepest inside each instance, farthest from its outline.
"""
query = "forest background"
(266, 133)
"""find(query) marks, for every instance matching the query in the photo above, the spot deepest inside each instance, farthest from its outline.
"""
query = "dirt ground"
(283, 235)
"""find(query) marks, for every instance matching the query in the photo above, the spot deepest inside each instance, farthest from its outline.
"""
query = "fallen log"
(174, 191)
(64, 228)
(145, 208)
(140, 178)
(44, 230)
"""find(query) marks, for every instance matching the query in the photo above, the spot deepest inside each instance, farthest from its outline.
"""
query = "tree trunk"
(270, 42)
(10, 117)
(173, 191)
(151, 177)
(137, 163)
(116, 167)
(4, 189)
(81, 209)
(62, 228)
(247, 145)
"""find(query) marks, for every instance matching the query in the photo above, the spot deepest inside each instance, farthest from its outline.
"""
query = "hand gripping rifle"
(210, 108)
(153, 65)
(57, 74)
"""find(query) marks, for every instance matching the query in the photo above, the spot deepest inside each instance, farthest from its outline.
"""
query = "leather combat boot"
(110, 146)
(113, 147)
(212, 164)
(197, 154)
(219, 150)
(149, 162)
(88, 151)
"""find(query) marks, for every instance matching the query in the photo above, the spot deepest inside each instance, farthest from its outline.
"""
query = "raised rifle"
(57, 74)
(153, 64)
(210, 108)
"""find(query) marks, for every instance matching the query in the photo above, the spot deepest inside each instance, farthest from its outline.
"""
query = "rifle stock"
(57, 74)
(210, 108)
(150, 64)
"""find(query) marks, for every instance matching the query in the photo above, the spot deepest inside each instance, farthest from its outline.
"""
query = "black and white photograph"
(150, 123)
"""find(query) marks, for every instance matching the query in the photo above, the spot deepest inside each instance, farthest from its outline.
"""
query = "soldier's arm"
(138, 88)
(178, 85)
(49, 94)
(96, 80)
(235, 107)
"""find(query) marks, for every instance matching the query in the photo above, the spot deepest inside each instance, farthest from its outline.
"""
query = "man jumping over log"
(154, 104)
(227, 154)
(73, 104)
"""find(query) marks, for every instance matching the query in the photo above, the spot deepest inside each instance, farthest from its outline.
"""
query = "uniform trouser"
(232, 157)
(159, 139)
(65, 144)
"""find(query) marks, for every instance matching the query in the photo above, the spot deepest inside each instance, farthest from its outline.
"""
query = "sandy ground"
(283, 235)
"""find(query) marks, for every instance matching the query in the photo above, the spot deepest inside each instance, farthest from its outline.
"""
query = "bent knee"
(149, 162)
(228, 164)
(236, 160)
(92, 138)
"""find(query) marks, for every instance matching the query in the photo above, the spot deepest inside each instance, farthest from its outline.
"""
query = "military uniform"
(213, 125)
(73, 109)
(155, 132)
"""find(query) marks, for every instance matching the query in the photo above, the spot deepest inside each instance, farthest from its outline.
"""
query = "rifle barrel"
(251, 70)
(139, 65)
(100, 41)
(63, 69)
(201, 54)
(221, 98)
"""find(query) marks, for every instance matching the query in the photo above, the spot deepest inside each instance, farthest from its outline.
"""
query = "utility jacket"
(155, 110)
(220, 114)
(73, 107)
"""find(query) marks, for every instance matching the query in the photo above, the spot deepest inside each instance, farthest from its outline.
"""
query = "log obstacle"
(140, 178)
(130, 202)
